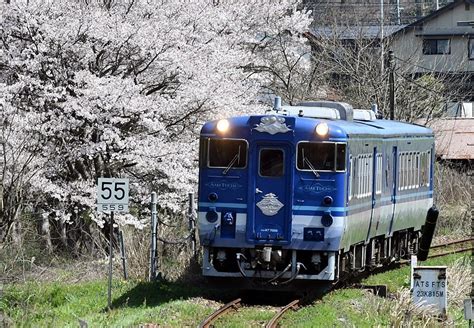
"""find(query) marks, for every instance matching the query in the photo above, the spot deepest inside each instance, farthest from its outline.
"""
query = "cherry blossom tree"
(121, 88)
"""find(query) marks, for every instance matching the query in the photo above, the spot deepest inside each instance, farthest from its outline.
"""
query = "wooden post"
(122, 253)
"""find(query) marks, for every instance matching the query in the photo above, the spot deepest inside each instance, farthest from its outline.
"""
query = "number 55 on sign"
(112, 195)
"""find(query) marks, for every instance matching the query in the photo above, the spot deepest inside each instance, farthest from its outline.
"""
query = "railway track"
(274, 321)
(235, 304)
(294, 305)
(454, 242)
(454, 251)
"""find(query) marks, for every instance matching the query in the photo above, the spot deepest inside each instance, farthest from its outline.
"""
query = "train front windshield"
(227, 153)
(321, 156)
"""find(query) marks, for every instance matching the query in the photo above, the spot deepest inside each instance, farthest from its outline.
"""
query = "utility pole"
(399, 21)
(391, 83)
(381, 40)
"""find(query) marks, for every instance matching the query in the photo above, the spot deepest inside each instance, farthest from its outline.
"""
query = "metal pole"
(111, 233)
(153, 237)
(192, 222)
(122, 253)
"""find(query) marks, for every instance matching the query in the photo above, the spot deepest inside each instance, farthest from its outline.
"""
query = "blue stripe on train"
(319, 210)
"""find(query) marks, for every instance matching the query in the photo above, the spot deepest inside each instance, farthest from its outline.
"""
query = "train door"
(270, 216)
(393, 196)
(375, 177)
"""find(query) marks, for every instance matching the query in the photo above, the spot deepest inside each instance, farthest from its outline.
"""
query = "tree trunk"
(17, 236)
(63, 234)
(46, 233)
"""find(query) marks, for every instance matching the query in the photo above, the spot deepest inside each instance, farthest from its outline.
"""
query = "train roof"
(338, 129)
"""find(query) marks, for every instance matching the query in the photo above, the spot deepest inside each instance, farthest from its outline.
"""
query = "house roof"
(454, 138)
(354, 32)
(433, 15)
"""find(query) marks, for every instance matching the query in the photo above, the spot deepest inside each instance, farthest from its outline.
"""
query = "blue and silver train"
(311, 192)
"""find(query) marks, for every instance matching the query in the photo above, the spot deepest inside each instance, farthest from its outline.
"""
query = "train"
(311, 192)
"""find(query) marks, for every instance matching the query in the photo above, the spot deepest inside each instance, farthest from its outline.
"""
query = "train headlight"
(223, 126)
(322, 129)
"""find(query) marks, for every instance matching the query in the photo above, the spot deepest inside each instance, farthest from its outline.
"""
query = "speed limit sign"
(112, 195)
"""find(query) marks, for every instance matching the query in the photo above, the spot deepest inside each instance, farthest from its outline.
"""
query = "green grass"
(337, 309)
(35, 304)
(401, 277)
(62, 305)
(355, 308)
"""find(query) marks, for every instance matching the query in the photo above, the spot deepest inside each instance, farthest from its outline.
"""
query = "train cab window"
(271, 163)
(321, 156)
(227, 153)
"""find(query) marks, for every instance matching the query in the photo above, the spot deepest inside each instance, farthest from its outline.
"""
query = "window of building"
(470, 50)
(436, 47)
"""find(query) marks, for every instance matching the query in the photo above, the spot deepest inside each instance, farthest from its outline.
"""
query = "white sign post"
(430, 287)
(112, 196)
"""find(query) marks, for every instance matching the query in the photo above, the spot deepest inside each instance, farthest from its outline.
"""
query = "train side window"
(378, 182)
(271, 163)
(368, 175)
(340, 157)
(359, 176)
(364, 169)
(409, 171)
(227, 153)
(351, 174)
(428, 167)
(355, 185)
(417, 170)
(423, 169)
(203, 143)
(400, 171)
(371, 173)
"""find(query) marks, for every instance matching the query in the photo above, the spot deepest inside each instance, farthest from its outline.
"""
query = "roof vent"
(312, 112)
(345, 110)
(277, 103)
(364, 115)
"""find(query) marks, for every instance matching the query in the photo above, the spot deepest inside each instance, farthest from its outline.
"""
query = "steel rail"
(461, 250)
(274, 321)
(454, 242)
(206, 323)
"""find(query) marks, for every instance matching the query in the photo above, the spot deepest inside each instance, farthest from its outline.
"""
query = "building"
(454, 134)
(441, 43)
(369, 12)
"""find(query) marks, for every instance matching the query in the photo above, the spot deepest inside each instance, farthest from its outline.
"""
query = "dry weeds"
(402, 312)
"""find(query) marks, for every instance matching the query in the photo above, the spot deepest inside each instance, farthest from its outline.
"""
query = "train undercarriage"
(279, 266)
